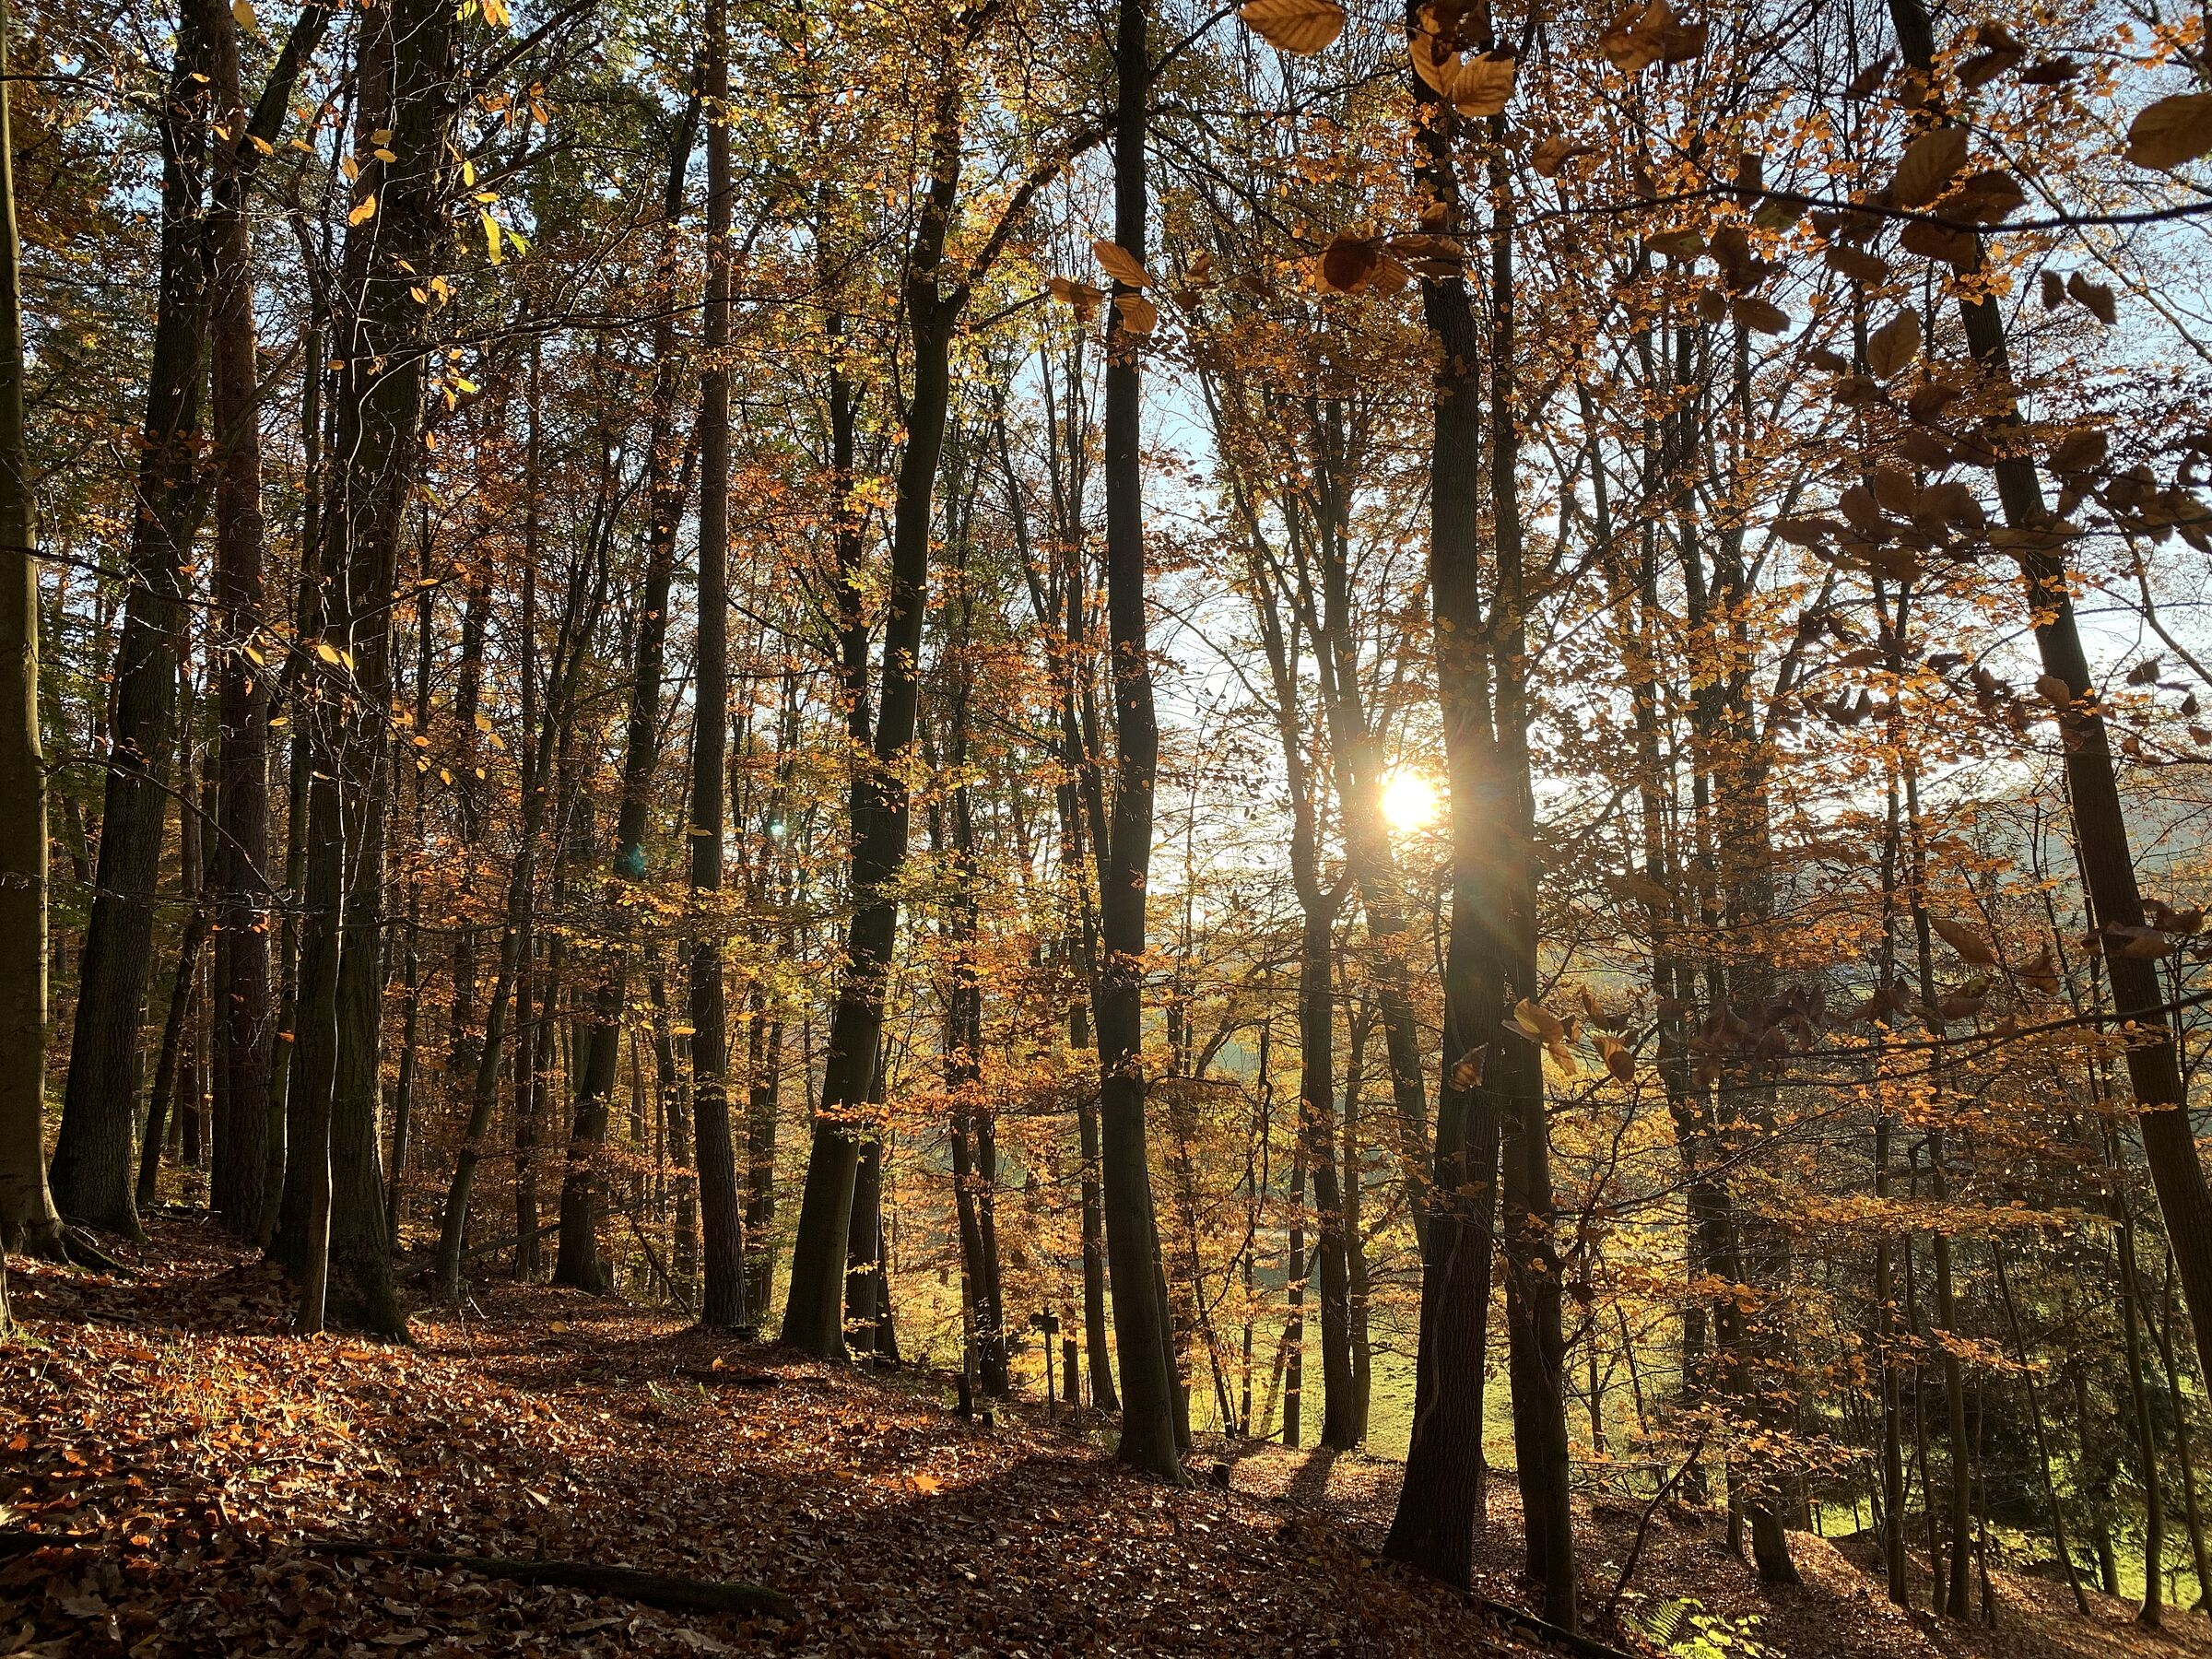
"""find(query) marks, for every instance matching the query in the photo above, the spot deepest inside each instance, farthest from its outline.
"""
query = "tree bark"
(91, 1174)
(28, 1221)
(405, 111)
(721, 1295)
(577, 1259)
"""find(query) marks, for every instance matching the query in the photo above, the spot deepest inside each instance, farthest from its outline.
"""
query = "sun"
(1410, 802)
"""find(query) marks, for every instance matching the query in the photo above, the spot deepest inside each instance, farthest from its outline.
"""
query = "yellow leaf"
(491, 236)
(242, 11)
(1300, 27)
(365, 212)
(1121, 265)
(1139, 315)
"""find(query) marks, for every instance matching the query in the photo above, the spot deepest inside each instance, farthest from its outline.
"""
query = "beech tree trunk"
(28, 1221)
(1440, 1505)
(577, 1259)
(722, 1292)
(405, 110)
(92, 1171)
(2154, 1070)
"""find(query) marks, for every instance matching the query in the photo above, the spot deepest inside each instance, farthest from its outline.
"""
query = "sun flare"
(1410, 802)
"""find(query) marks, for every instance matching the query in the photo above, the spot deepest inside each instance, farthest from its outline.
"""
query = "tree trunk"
(722, 1297)
(28, 1221)
(814, 1305)
(2092, 788)
(1140, 1314)
(1440, 1505)
(91, 1174)
(405, 111)
(577, 1259)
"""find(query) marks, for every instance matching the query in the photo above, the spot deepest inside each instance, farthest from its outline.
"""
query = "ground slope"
(169, 1458)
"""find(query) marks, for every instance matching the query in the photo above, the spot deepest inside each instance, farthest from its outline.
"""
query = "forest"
(1426, 785)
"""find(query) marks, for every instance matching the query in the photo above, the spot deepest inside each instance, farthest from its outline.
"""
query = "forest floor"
(170, 1462)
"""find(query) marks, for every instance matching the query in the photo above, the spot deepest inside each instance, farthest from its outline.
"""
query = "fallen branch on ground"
(654, 1589)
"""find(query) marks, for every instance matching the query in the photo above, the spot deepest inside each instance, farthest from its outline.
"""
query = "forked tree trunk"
(405, 111)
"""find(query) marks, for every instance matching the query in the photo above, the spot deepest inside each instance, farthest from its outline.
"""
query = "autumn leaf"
(1894, 344)
(1300, 27)
(2095, 297)
(1349, 262)
(1758, 315)
(1929, 164)
(2172, 131)
(1964, 940)
(1121, 265)
(1484, 85)
(1139, 315)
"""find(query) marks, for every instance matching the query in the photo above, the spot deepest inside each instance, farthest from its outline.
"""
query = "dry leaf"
(2172, 131)
(1139, 315)
(1929, 164)
(1894, 344)
(1299, 27)
(1964, 940)
(1121, 265)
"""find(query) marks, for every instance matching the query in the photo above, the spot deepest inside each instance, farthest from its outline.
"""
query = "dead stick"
(654, 1589)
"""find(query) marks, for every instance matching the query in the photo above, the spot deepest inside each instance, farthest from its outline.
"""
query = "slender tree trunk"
(814, 1305)
(28, 1221)
(92, 1174)
(241, 992)
(2042, 1442)
(577, 1260)
(1140, 1314)
(721, 1299)
(2092, 787)
(2193, 1516)
(1440, 1505)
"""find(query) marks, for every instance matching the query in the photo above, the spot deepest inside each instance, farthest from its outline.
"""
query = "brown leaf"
(1121, 265)
(1555, 152)
(1929, 164)
(1300, 27)
(2172, 131)
(1483, 85)
(1348, 262)
(1868, 81)
(2041, 974)
(1956, 249)
(1139, 315)
(1635, 39)
(1759, 316)
(2095, 297)
(1685, 244)
(1964, 940)
(1894, 344)
(1856, 264)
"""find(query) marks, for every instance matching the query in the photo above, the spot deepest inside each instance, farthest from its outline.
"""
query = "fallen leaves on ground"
(171, 1455)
